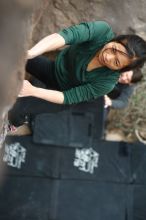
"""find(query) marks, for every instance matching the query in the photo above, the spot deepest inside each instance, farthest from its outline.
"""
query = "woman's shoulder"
(102, 31)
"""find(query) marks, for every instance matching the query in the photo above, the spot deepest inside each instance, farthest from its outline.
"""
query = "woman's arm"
(49, 43)
(49, 95)
(46, 94)
(83, 32)
(74, 95)
(123, 100)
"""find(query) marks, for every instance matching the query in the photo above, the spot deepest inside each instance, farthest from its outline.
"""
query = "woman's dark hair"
(137, 75)
(136, 48)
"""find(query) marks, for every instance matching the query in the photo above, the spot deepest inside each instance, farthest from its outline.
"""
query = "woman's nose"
(124, 79)
(109, 57)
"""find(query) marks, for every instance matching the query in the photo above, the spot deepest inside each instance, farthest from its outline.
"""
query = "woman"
(119, 97)
(89, 68)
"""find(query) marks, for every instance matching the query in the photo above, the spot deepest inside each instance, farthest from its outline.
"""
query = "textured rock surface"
(14, 29)
(125, 16)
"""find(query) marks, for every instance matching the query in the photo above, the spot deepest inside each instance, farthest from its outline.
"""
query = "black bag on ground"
(77, 126)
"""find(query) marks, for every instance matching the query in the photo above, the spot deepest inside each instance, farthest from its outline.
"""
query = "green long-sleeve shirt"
(75, 81)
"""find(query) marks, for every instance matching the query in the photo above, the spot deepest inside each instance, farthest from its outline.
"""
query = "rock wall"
(15, 28)
(125, 16)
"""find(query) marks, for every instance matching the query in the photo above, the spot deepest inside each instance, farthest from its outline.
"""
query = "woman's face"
(114, 56)
(126, 77)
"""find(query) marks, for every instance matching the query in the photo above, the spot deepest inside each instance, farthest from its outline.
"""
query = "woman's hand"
(48, 95)
(30, 55)
(27, 89)
(107, 101)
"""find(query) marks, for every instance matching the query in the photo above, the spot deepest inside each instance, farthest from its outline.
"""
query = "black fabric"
(138, 163)
(78, 126)
(112, 167)
(49, 187)
(27, 108)
(28, 198)
(39, 161)
(85, 200)
(64, 128)
(43, 199)
(44, 70)
(117, 161)
(116, 92)
(139, 202)
(59, 162)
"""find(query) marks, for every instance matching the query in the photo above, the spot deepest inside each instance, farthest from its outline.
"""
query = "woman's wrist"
(31, 54)
(35, 91)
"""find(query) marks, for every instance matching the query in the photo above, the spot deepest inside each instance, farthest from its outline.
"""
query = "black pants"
(27, 107)
(44, 70)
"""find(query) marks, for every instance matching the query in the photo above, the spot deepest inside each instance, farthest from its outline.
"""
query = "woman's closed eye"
(114, 50)
(117, 62)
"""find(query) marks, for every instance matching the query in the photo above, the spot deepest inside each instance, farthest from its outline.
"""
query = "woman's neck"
(94, 63)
